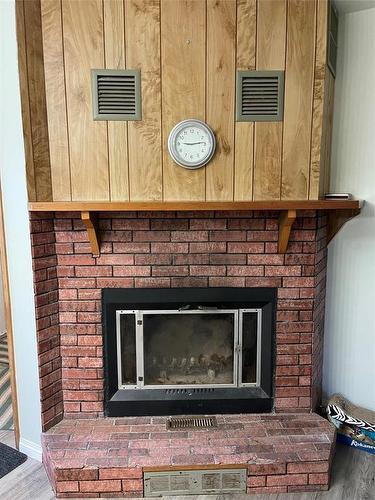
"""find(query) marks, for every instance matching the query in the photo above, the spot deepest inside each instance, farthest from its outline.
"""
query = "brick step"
(106, 457)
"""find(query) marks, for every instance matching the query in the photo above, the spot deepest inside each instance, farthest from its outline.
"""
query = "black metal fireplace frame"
(128, 402)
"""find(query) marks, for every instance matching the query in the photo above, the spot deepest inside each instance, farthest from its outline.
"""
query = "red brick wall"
(319, 309)
(191, 249)
(47, 317)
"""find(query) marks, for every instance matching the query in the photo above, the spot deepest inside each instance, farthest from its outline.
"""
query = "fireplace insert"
(174, 351)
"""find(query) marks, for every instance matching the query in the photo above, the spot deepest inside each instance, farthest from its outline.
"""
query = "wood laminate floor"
(353, 478)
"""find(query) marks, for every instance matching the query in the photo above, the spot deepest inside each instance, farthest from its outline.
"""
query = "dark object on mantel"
(338, 196)
(127, 393)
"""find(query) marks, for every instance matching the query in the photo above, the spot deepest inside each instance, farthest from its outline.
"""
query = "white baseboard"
(32, 450)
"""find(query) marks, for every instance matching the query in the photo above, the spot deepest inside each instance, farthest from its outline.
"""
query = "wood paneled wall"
(188, 52)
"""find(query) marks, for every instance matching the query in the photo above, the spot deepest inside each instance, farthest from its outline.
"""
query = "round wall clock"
(191, 143)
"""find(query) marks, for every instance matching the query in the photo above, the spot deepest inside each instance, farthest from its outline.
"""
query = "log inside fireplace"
(187, 351)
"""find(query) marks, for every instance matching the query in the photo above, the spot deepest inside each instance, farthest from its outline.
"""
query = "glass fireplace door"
(200, 348)
(190, 348)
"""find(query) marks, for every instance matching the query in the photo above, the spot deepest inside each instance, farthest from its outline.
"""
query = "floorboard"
(353, 478)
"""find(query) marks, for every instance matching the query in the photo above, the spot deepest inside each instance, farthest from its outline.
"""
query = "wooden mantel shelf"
(338, 211)
(125, 206)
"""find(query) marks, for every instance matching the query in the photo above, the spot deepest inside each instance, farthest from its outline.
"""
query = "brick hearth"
(107, 457)
(88, 455)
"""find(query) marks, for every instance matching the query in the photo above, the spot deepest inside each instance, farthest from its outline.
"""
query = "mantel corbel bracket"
(286, 221)
(90, 221)
(336, 220)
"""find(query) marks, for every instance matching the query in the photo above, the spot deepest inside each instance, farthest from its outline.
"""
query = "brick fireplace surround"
(169, 250)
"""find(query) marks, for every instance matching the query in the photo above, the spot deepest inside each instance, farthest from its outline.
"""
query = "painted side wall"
(13, 182)
(349, 363)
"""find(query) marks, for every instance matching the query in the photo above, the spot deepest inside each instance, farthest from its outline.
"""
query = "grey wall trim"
(332, 37)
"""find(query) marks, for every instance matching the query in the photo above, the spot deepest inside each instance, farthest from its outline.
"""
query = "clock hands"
(192, 143)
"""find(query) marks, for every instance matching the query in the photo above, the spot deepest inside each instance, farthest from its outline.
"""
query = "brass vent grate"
(260, 95)
(176, 423)
(116, 94)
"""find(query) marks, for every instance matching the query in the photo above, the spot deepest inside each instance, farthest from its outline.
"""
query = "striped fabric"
(6, 418)
(3, 349)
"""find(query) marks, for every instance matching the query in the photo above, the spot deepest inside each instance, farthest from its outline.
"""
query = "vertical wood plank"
(117, 130)
(37, 100)
(324, 134)
(244, 131)
(183, 53)
(317, 137)
(55, 99)
(298, 99)
(83, 47)
(325, 163)
(143, 51)
(271, 35)
(25, 107)
(221, 40)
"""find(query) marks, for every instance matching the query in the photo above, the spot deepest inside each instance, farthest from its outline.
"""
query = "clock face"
(191, 144)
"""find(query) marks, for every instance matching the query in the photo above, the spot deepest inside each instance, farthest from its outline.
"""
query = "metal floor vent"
(176, 423)
(190, 391)
(195, 482)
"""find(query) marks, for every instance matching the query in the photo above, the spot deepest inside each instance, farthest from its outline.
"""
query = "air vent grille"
(116, 94)
(260, 95)
(199, 390)
(176, 423)
(195, 482)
